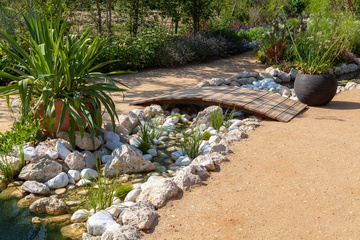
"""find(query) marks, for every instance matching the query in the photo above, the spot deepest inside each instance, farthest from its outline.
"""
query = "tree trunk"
(99, 15)
(234, 8)
(108, 17)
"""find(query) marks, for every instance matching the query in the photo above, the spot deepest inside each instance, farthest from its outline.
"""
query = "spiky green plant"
(59, 66)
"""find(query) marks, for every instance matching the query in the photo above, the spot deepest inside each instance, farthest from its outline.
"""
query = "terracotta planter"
(65, 127)
(315, 90)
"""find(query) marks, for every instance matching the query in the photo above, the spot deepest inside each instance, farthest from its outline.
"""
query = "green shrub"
(144, 146)
(11, 162)
(122, 191)
(206, 136)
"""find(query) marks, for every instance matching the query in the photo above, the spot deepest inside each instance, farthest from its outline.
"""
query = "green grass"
(102, 197)
(122, 191)
(191, 144)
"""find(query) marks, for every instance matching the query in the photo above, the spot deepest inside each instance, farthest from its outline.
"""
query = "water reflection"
(15, 224)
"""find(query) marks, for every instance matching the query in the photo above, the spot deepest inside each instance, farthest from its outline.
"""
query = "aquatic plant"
(191, 143)
(217, 118)
(102, 195)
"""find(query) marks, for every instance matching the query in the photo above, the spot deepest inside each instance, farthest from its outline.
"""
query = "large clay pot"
(315, 90)
(65, 127)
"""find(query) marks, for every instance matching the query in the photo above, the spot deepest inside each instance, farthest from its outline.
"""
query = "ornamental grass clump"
(101, 194)
(324, 43)
(218, 119)
(58, 66)
(192, 143)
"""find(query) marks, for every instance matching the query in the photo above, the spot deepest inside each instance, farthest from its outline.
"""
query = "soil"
(296, 180)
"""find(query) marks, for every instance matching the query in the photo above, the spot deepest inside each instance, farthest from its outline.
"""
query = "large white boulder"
(127, 160)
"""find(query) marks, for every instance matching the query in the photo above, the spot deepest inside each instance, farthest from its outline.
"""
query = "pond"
(15, 224)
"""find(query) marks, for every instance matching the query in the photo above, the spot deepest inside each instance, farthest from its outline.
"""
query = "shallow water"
(15, 224)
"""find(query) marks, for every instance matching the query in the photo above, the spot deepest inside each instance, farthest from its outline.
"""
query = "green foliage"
(197, 11)
(102, 195)
(217, 118)
(60, 67)
(191, 144)
(329, 35)
(122, 191)
(273, 47)
(10, 166)
(11, 153)
(206, 135)
(26, 130)
(144, 146)
(229, 117)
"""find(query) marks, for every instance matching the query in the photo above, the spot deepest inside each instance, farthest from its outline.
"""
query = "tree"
(197, 10)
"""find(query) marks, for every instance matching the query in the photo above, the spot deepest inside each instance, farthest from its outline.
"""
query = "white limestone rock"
(60, 181)
(98, 223)
(160, 192)
(140, 215)
(35, 187)
(62, 150)
(75, 161)
(86, 142)
(118, 232)
(80, 215)
(29, 152)
(127, 159)
(41, 171)
(74, 174)
(89, 174)
(132, 195)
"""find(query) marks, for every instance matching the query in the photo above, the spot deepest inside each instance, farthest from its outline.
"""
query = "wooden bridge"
(265, 104)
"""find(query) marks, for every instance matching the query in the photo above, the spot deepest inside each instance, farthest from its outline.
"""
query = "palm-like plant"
(59, 66)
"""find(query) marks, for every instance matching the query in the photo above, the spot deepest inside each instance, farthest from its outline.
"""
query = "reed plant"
(102, 196)
(218, 119)
(192, 143)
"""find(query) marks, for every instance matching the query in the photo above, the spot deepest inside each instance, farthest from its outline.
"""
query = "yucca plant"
(59, 67)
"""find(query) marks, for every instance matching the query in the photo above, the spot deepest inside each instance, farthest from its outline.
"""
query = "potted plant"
(55, 78)
(316, 51)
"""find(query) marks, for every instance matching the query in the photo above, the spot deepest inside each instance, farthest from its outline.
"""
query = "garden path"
(296, 180)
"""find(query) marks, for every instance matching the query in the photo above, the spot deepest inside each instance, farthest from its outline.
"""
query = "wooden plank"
(251, 101)
(259, 101)
(291, 112)
(248, 97)
(270, 104)
(219, 95)
(280, 108)
(235, 95)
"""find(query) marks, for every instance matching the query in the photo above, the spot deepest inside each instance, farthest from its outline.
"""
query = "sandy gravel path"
(296, 180)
